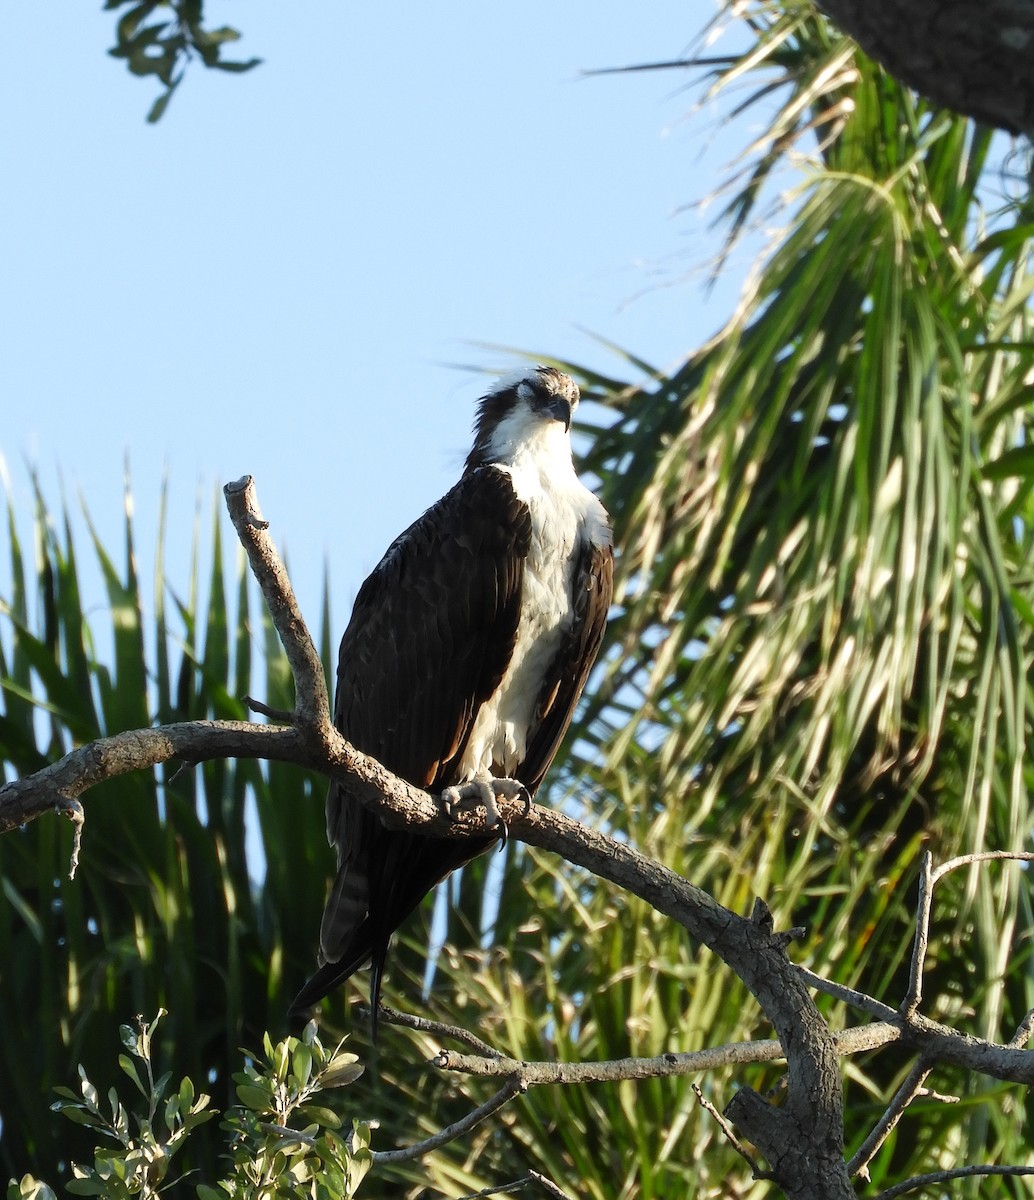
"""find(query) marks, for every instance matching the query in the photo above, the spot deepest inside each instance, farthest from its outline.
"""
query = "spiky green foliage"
(167, 908)
(821, 521)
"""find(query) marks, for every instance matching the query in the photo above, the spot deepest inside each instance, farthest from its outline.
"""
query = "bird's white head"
(527, 412)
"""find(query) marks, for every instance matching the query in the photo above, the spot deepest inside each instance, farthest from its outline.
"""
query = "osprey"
(467, 650)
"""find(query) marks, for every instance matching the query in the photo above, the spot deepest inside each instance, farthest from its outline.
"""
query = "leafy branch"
(271, 1158)
(165, 47)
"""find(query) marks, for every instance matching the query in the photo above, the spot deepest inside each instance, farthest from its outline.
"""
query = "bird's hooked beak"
(560, 410)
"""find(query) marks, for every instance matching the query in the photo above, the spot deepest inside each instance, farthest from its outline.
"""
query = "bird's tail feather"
(359, 951)
(347, 909)
(357, 928)
(380, 953)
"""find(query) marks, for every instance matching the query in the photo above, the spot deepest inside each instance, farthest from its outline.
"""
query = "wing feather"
(593, 587)
(431, 635)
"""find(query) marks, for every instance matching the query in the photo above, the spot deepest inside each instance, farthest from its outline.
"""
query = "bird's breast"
(503, 725)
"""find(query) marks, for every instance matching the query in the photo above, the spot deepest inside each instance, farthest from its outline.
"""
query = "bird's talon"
(484, 791)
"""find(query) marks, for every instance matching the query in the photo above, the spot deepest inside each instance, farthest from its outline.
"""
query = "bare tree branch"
(63, 782)
(968, 860)
(861, 1001)
(943, 1045)
(392, 1016)
(691, 1062)
(1023, 1032)
(911, 1087)
(812, 1114)
(730, 1133)
(914, 995)
(504, 1189)
(920, 1181)
(280, 716)
(803, 1137)
(312, 703)
(928, 880)
(512, 1087)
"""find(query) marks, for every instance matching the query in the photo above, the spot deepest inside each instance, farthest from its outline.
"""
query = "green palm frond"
(166, 909)
(813, 551)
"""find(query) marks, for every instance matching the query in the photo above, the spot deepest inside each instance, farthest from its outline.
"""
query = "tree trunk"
(976, 58)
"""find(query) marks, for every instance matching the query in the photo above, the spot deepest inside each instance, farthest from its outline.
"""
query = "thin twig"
(393, 1016)
(911, 1086)
(860, 1000)
(967, 860)
(1023, 1032)
(186, 765)
(280, 715)
(505, 1189)
(730, 1134)
(918, 1181)
(73, 810)
(940, 1097)
(910, 1004)
(928, 879)
(285, 1131)
(511, 1088)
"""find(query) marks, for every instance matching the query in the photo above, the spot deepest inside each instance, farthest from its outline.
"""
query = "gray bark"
(975, 58)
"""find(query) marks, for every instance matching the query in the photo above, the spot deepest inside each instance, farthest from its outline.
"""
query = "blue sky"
(275, 278)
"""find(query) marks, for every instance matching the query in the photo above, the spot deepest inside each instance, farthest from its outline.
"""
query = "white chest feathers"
(565, 518)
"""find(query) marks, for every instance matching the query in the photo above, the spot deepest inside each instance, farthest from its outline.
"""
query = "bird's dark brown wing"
(431, 635)
(593, 587)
